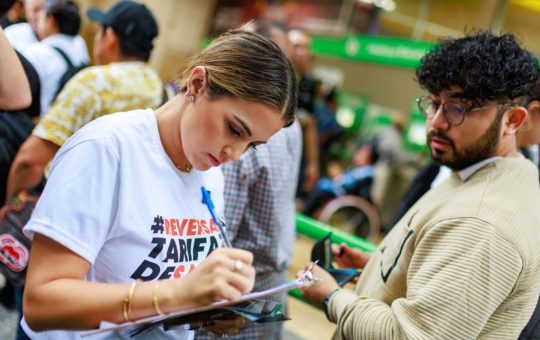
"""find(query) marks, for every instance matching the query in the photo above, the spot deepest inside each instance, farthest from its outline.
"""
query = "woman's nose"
(233, 152)
(236, 152)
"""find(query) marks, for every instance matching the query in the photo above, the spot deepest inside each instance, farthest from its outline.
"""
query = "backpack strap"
(64, 56)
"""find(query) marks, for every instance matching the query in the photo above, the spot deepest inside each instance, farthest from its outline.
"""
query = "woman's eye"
(234, 131)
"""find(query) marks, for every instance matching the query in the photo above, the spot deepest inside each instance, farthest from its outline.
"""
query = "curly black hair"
(485, 66)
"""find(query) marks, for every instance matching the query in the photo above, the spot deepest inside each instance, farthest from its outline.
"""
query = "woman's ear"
(196, 83)
(515, 118)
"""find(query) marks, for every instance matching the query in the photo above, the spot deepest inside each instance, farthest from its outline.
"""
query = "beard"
(484, 147)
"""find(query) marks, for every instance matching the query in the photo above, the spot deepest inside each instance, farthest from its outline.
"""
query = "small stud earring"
(191, 98)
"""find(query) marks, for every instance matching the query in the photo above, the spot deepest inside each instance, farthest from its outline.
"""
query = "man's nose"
(439, 121)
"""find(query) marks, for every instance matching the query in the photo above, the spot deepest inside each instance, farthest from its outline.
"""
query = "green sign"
(380, 50)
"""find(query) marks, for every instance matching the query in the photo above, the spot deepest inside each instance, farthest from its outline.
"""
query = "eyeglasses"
(454, 113)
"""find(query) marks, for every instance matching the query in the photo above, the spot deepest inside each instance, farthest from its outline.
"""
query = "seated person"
(356, 180)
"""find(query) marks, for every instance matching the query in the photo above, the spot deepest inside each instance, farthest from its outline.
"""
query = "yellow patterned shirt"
(97, 91)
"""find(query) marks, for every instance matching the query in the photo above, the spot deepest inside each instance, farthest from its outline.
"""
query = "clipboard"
(252, 306)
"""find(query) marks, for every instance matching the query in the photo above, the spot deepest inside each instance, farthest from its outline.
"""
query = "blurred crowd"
(312, 164)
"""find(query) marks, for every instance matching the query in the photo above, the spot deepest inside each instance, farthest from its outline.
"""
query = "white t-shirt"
(49, 64)
(20, 35)
(115, 198)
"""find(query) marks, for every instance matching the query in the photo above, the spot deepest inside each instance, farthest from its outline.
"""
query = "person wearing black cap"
(134, 25)
(122, 81)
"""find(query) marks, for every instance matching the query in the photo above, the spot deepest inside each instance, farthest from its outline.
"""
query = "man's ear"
(513, 120)
(196, 83)
(110, 39)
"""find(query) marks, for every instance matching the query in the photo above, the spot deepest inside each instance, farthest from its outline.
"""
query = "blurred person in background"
(24, 33)
(121, 81)
(13, 12)
(331, 134)
(58, 27)
(356, 180)
(307, 86)
(463, 261)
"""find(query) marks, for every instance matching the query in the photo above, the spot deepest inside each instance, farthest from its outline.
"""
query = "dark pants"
(532, 330)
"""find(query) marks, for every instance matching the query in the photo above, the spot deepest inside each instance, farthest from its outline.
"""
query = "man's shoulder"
(114, 72)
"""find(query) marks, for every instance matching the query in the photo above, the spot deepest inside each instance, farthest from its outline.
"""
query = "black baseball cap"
(133, 22)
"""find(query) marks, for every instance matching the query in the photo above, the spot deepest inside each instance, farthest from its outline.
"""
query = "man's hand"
(318, 291)
(347, 257)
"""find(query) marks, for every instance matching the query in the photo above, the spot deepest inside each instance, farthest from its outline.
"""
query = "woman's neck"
(168, 120)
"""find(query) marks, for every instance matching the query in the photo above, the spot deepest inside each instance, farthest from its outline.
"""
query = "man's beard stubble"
(484, 147)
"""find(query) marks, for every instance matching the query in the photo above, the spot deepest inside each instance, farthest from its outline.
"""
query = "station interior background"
(368, 49)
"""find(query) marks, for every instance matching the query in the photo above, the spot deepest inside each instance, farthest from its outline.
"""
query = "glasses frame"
(444, 111)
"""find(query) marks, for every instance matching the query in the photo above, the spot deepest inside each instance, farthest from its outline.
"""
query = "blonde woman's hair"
(247, 66)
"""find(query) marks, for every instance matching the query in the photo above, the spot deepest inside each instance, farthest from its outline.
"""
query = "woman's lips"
(213, 160)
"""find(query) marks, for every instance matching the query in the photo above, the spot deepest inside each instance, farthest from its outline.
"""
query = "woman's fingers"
(230, 272)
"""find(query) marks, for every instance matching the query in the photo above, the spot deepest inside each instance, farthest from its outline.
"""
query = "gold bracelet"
(126, 303)
(155, 299)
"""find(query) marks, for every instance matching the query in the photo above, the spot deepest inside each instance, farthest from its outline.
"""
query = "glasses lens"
(454, 113)
(426, 106)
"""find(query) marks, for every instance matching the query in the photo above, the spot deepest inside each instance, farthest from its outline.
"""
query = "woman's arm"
(58, 297)
(14, 87)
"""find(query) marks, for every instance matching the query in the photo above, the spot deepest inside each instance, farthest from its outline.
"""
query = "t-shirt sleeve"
(460, 272)
(79, 202)
(75, 106)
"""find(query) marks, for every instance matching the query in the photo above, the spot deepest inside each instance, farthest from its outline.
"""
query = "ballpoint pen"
(219, 222)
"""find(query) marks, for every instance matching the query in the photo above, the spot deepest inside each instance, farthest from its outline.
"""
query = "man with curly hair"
(463, 262)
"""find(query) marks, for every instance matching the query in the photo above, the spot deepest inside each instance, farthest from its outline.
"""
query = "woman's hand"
(226, 274)
(347, 257)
